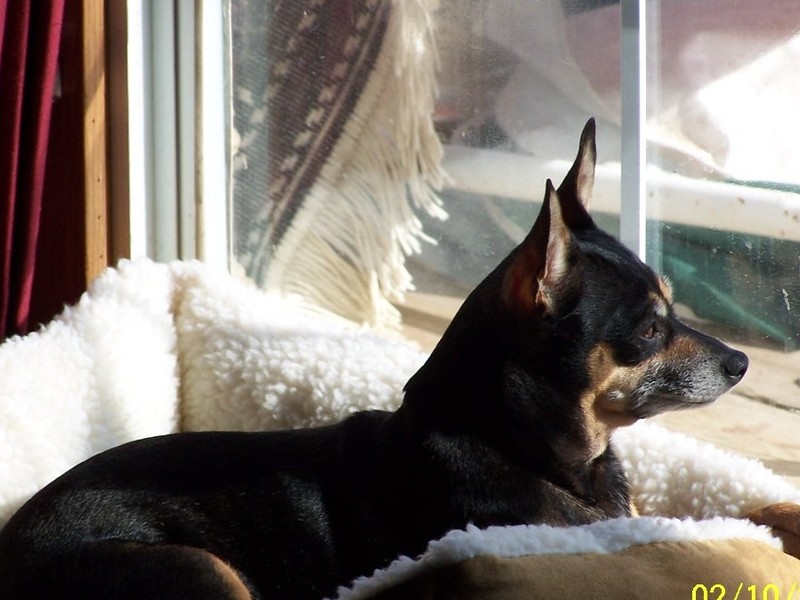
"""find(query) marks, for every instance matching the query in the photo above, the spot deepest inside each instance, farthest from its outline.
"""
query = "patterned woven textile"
(337, 148)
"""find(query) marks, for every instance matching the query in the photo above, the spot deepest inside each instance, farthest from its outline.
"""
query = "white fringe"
(346, 248)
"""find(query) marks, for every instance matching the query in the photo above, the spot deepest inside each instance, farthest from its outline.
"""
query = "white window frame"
(633, 74)
(178, 130)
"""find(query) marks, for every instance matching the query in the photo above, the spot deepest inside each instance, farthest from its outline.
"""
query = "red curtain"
(30, 32)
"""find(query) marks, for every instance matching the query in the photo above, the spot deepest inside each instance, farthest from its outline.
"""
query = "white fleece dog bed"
(155, 348)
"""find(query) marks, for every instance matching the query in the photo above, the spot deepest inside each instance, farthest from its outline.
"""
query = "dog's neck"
(472, 382)
(463, 375)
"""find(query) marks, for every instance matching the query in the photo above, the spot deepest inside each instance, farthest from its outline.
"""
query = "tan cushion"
(662, 570)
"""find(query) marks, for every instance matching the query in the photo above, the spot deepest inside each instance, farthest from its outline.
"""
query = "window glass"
(515, 92)
(513, 96)
(250, 77)
(724, 187)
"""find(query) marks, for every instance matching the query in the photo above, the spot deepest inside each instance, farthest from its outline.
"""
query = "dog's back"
(131, 522)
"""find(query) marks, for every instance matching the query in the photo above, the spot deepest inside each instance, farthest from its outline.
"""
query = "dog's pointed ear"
(575, 191)
(541, 262)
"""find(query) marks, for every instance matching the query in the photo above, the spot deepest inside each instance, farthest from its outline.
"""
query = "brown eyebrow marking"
(659, 305)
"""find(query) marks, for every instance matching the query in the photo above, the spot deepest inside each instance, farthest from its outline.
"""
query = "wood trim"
(95, 138)
(119, 222)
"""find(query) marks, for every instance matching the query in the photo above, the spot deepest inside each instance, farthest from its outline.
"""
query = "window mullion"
(213, 125)
(164, 123)
(633, 73)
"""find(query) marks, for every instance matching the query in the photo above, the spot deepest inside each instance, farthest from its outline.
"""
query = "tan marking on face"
(684, 349)
(605, 404)
(665, 287)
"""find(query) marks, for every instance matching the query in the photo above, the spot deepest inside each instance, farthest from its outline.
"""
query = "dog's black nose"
(736, 365)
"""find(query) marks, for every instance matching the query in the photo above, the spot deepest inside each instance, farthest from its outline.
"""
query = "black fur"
(507, 423)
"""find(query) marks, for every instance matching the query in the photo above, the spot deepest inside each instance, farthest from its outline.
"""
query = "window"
(329, 102)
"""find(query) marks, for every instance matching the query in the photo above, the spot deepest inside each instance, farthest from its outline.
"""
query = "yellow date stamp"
(770, 591)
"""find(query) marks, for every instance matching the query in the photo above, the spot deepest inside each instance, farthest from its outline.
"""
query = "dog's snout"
(736, 365)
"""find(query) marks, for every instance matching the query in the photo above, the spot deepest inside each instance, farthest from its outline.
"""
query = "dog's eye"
(651, 331)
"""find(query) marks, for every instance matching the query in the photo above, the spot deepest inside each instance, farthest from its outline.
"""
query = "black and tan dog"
(508, 422)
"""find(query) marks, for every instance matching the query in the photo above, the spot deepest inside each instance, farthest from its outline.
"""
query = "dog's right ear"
(575, 192)
(540, 266)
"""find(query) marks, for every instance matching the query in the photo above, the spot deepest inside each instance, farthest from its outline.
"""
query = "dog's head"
(605, 316)
(569, 337)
